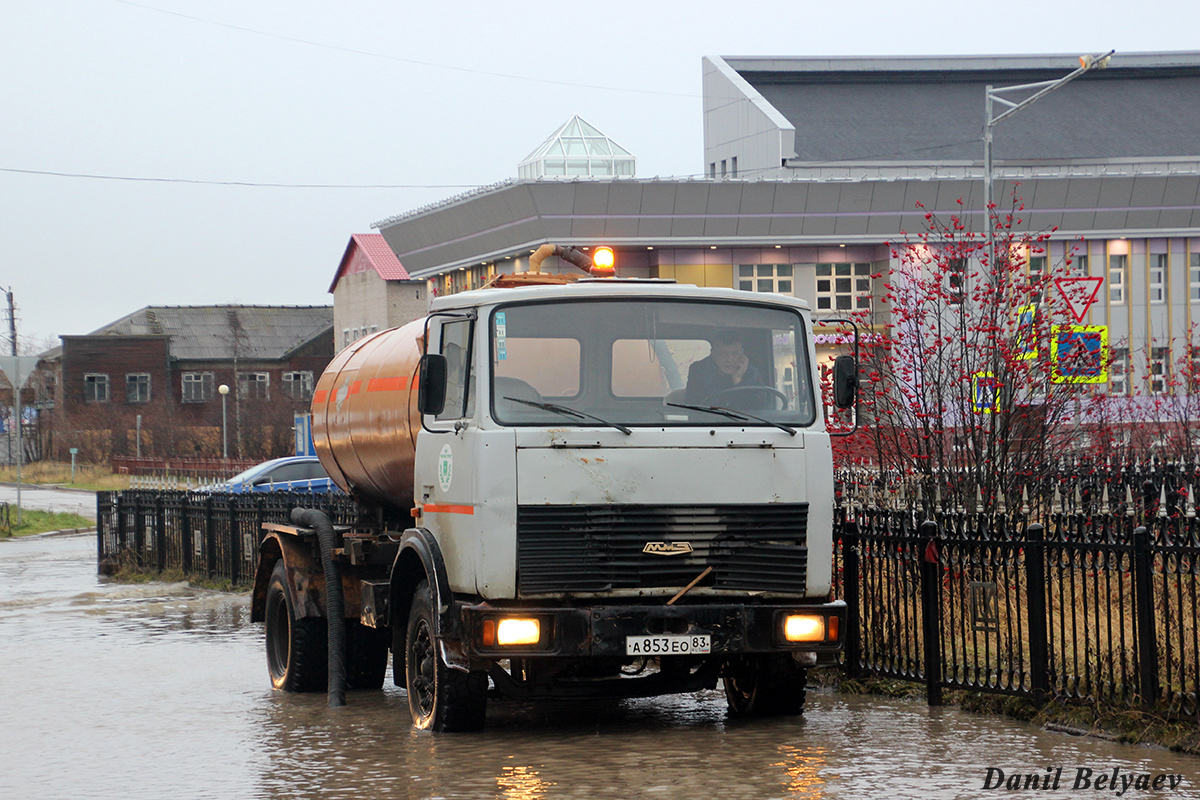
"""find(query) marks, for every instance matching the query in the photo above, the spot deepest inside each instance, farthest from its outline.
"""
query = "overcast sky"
(425, 99)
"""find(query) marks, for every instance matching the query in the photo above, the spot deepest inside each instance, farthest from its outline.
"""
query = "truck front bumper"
(604, 631)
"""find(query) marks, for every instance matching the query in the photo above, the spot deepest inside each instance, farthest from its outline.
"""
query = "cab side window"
(460, 377)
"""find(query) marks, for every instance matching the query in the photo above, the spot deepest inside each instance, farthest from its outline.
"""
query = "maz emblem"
(667, 548)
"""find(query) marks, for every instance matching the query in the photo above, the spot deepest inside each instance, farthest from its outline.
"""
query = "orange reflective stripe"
(319, 396)
(387, 384)
(354, 387)
(433, 508)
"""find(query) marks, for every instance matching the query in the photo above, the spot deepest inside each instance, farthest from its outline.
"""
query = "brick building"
(166, 364)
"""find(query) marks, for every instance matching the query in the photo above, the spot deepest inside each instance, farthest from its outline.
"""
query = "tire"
(297, 658)
(439, 698)
(765, 685)
(366, 656)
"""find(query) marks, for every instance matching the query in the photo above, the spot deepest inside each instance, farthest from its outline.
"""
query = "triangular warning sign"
(1079, 293)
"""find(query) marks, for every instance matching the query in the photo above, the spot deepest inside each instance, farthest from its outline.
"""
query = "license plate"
(668, 644)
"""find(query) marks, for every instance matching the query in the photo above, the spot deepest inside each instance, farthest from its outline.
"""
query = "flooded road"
(161, 691)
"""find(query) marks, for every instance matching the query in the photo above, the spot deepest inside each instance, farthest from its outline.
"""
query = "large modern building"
(815, 168)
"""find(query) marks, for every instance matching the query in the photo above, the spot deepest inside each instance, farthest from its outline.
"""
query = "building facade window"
(198, 387)
(956, 281)
(766, 278)
(1118, 266)
(1157, 289)
(733, 166)
(1194, 276)
(345, 337)
(298, 385)
(1037, 279)
(1118, 374)
(843, 287)
(137, 387)
(1160, 369)
(1078, 268)
(95, 387)
(254, 385)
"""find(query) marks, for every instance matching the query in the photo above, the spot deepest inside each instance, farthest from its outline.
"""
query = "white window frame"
(779, 278)
(135, 376)
(1194, 276)
(1156, 289)
(1118, 278)
(246, 380)
(1037, 276)
(1160, 370)
(298, 384)
(844, 286)
(92, 384)
(197, 387)
(1118, 374)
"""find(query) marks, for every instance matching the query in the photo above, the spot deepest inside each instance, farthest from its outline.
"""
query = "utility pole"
(12, 322)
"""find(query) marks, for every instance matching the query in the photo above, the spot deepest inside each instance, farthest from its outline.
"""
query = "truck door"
(445, 470)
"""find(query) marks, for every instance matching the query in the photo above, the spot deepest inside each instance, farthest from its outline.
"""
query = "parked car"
(291, 474)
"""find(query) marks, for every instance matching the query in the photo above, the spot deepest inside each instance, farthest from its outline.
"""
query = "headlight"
(513, 631)
(803, 628)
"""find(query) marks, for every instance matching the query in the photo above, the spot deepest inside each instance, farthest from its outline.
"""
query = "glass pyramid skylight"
(578, 149)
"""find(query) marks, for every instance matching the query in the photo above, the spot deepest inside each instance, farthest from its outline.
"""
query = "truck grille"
(599, 548)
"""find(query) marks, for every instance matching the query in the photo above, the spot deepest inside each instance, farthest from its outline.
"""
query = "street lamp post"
(224, 390)
(993, 95)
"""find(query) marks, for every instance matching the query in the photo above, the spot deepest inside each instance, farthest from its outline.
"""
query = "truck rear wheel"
(439, 698)
(765, 685)
(296, 648)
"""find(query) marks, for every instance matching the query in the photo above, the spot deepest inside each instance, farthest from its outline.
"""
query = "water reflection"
(521, 783)
(803, 769)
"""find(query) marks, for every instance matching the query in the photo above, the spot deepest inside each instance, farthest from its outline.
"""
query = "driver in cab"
(725, 367)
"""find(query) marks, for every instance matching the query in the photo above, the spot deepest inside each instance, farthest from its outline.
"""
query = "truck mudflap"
(630, 631)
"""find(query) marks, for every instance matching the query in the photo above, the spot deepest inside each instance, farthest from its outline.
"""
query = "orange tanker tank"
(365, 418)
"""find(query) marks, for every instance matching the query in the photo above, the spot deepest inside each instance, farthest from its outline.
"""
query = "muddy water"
(160, 691)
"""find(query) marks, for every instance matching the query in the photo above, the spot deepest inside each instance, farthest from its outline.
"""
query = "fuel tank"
(365, 419)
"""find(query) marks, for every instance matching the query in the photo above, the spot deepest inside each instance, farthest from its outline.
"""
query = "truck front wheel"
(439, 698)
(765, 685)
(296, 648)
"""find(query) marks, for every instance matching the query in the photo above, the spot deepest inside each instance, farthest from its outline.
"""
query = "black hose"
(335, 604)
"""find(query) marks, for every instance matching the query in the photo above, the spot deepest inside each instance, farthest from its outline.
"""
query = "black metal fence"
(1088, 607)
(215, 536)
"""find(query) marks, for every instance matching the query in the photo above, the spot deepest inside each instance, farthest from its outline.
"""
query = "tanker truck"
(594, 488)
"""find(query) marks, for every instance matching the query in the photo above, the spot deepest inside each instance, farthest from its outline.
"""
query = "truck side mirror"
(845, 381)
(431, 384)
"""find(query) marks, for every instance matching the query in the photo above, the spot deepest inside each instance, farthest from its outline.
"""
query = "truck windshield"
(638, 362)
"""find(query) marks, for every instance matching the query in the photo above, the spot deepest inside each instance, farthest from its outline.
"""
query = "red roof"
(374, 249)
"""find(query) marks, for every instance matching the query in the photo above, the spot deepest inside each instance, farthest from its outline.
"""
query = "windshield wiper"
(729, 412)
(570, 412)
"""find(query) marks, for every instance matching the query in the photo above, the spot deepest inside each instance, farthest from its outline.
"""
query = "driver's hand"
(740, 372)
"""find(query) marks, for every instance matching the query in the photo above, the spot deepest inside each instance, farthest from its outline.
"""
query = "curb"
(65, 532)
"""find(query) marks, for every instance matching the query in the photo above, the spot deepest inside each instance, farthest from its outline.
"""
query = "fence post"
(1143, 569)
(210, 538)
(235, 543)
(104, 504)
(139, 533)
(160, 533)
(851, 595)
(931, 612)
(186, 542)
(1035, 601)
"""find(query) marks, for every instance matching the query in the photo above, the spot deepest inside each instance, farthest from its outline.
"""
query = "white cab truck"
(564, 492)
